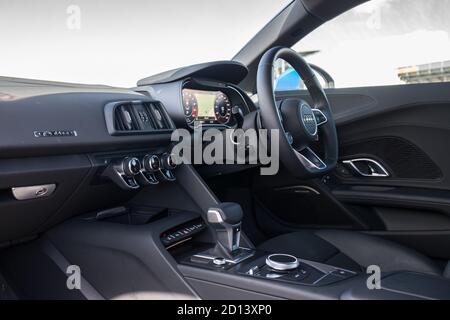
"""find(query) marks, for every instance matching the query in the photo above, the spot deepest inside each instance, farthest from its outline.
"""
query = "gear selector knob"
(226, 219)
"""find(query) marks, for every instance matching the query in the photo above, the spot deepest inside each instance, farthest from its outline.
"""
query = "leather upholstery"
(350, 250)
(447, 270)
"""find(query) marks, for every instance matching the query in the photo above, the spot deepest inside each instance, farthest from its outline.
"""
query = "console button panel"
(138, 169)
(182, 232)
(304, 274)
(307, 273)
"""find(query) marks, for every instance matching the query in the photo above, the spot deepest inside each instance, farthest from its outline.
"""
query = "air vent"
(159, 116)
(125, 119)
(136, 117)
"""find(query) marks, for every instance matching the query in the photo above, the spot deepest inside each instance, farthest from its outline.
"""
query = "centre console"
(256, 274)
(225, 255)
(220, 263)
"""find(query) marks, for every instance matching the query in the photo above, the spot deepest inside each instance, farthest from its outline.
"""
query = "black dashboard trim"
(77, 110)
(223, 71)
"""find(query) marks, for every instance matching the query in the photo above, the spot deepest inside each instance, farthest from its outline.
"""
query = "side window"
(286, 78)
(381, 42)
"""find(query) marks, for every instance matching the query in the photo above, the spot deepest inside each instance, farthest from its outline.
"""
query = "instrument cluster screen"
(207, 107)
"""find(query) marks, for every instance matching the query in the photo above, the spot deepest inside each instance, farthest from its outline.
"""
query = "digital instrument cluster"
(206, 107)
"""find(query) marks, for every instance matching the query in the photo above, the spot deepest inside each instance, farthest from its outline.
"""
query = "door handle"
(33, 192)
(366, 167)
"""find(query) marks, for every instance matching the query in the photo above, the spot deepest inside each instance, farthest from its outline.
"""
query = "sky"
(117, 42)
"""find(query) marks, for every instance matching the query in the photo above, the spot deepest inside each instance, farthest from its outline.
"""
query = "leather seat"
(350, 250)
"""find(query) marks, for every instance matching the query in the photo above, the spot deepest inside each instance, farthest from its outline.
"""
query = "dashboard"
(89, 139)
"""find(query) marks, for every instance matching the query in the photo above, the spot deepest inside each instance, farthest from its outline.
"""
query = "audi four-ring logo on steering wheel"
(308, 119)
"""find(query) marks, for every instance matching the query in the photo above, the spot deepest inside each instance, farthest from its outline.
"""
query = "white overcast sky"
(366, 46)
(122, 41)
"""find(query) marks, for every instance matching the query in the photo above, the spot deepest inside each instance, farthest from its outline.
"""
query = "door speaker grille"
(405, 159)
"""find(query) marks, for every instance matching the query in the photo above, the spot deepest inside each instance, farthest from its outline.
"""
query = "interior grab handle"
(366, 167)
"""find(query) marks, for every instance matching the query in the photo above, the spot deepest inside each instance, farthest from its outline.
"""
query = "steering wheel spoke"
(310, 159)
(289, 138)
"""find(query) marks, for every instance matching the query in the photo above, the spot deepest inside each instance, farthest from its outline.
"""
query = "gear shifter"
(225, 219)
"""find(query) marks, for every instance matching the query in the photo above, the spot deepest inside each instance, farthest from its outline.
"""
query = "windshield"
(119, 42)
(383, 42)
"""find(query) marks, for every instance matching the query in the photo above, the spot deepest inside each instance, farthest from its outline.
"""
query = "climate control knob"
(151, 163)
(131, 166)
(168, 162)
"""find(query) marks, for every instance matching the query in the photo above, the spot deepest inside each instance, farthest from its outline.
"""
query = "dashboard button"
(168, 162)
(131, 166)
(219, 261)
(151, 163)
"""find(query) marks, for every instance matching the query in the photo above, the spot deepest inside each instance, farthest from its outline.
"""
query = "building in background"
(424, 73)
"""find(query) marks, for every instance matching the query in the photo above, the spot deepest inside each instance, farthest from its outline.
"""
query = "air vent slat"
(124, 118)
(166, 124)
(119, 123)
(159, 116)
(134, 120)
(150, 114)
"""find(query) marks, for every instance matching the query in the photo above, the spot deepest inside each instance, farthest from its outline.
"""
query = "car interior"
(89, 178)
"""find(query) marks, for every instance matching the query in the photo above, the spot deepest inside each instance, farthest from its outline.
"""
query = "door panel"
(407, 130)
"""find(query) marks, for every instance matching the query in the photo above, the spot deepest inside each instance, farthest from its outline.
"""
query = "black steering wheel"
(300, 125)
